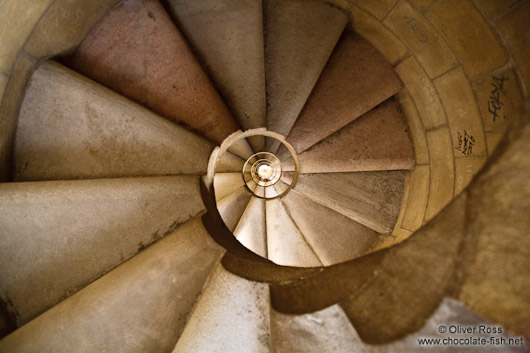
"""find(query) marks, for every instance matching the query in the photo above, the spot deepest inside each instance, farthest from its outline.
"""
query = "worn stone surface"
(465, 170)
(495, 274)
(299, 38)
(513, 27)
(423, 5)
(469, 36)
(324, 331)
(499, 99)
(441, 186)
(232, 207)
(137, 51)
(251, 230)
(378, 8)
(463, 114)
(496, 8)
(227, 36)
(226, 183)
(64, 25)
(356, 79)
(17, 19)
(423, 40)
(232, 315)
(229, 163)
(415, 125)
(9, 109)
(71, 128)
(370, 198)
(379, 140)
(334, 237)
(410, 281)
(418, 195)
(286, 245)
(141, 306)
(422, 92)
(378, 35)
(58, 236)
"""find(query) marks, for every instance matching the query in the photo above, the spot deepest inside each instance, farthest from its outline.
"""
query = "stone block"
(421, 38)
(378, 8)
(495, 8)
(401, 235)
(422, 92)
(469, 35)
(465, 170)
(17, 20)
(418, 195)
(406, 189)
(64, 26)
(378, 35)
(383, 242)
(416, 129)
(513, 27)
(465, 123)
(499, 99)
(442, 171)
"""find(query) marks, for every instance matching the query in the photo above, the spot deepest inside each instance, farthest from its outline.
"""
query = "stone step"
(232, 207)
(226, 183)
(370, 198)
(299, 38)
(251, 230)
(58, 236)
(72, 128)
(327, 330)
(140, 306)
(356, 79)
(285, 243)
(137, 51)
(379, 140)
(232, 315)
(334, 237)
(227, 36)
(229, 163)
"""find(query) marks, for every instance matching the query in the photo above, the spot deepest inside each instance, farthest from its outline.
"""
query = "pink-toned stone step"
(356, 79)
(138, 51)
(379, 140)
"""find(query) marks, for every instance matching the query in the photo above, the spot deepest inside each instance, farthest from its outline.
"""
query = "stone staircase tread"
(356, 79)
(140, 306)
(227, 37)
(58, 236)
(226, 183)
(285, 243)
(231, 207)
(137, 51)
(72, 128)
(372, 199)
(299, 38)
(334, 237)
(251, 230)
(232, 315)
(378, 140)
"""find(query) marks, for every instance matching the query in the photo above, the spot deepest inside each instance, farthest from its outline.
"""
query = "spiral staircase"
(233, 176)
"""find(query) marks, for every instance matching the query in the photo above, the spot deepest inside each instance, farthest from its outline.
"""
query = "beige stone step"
(137, 51)
(299, 38)
(141, 306)
(229, 163)
(232, 315)
(58, 236)
(232, 207)
(251, 230)
(356, 79)
(334, 237)
(379, 140)
(370, 198)
(285, 243)
(226, 183)
(324, 331)
(71, 128)
(227, 36)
